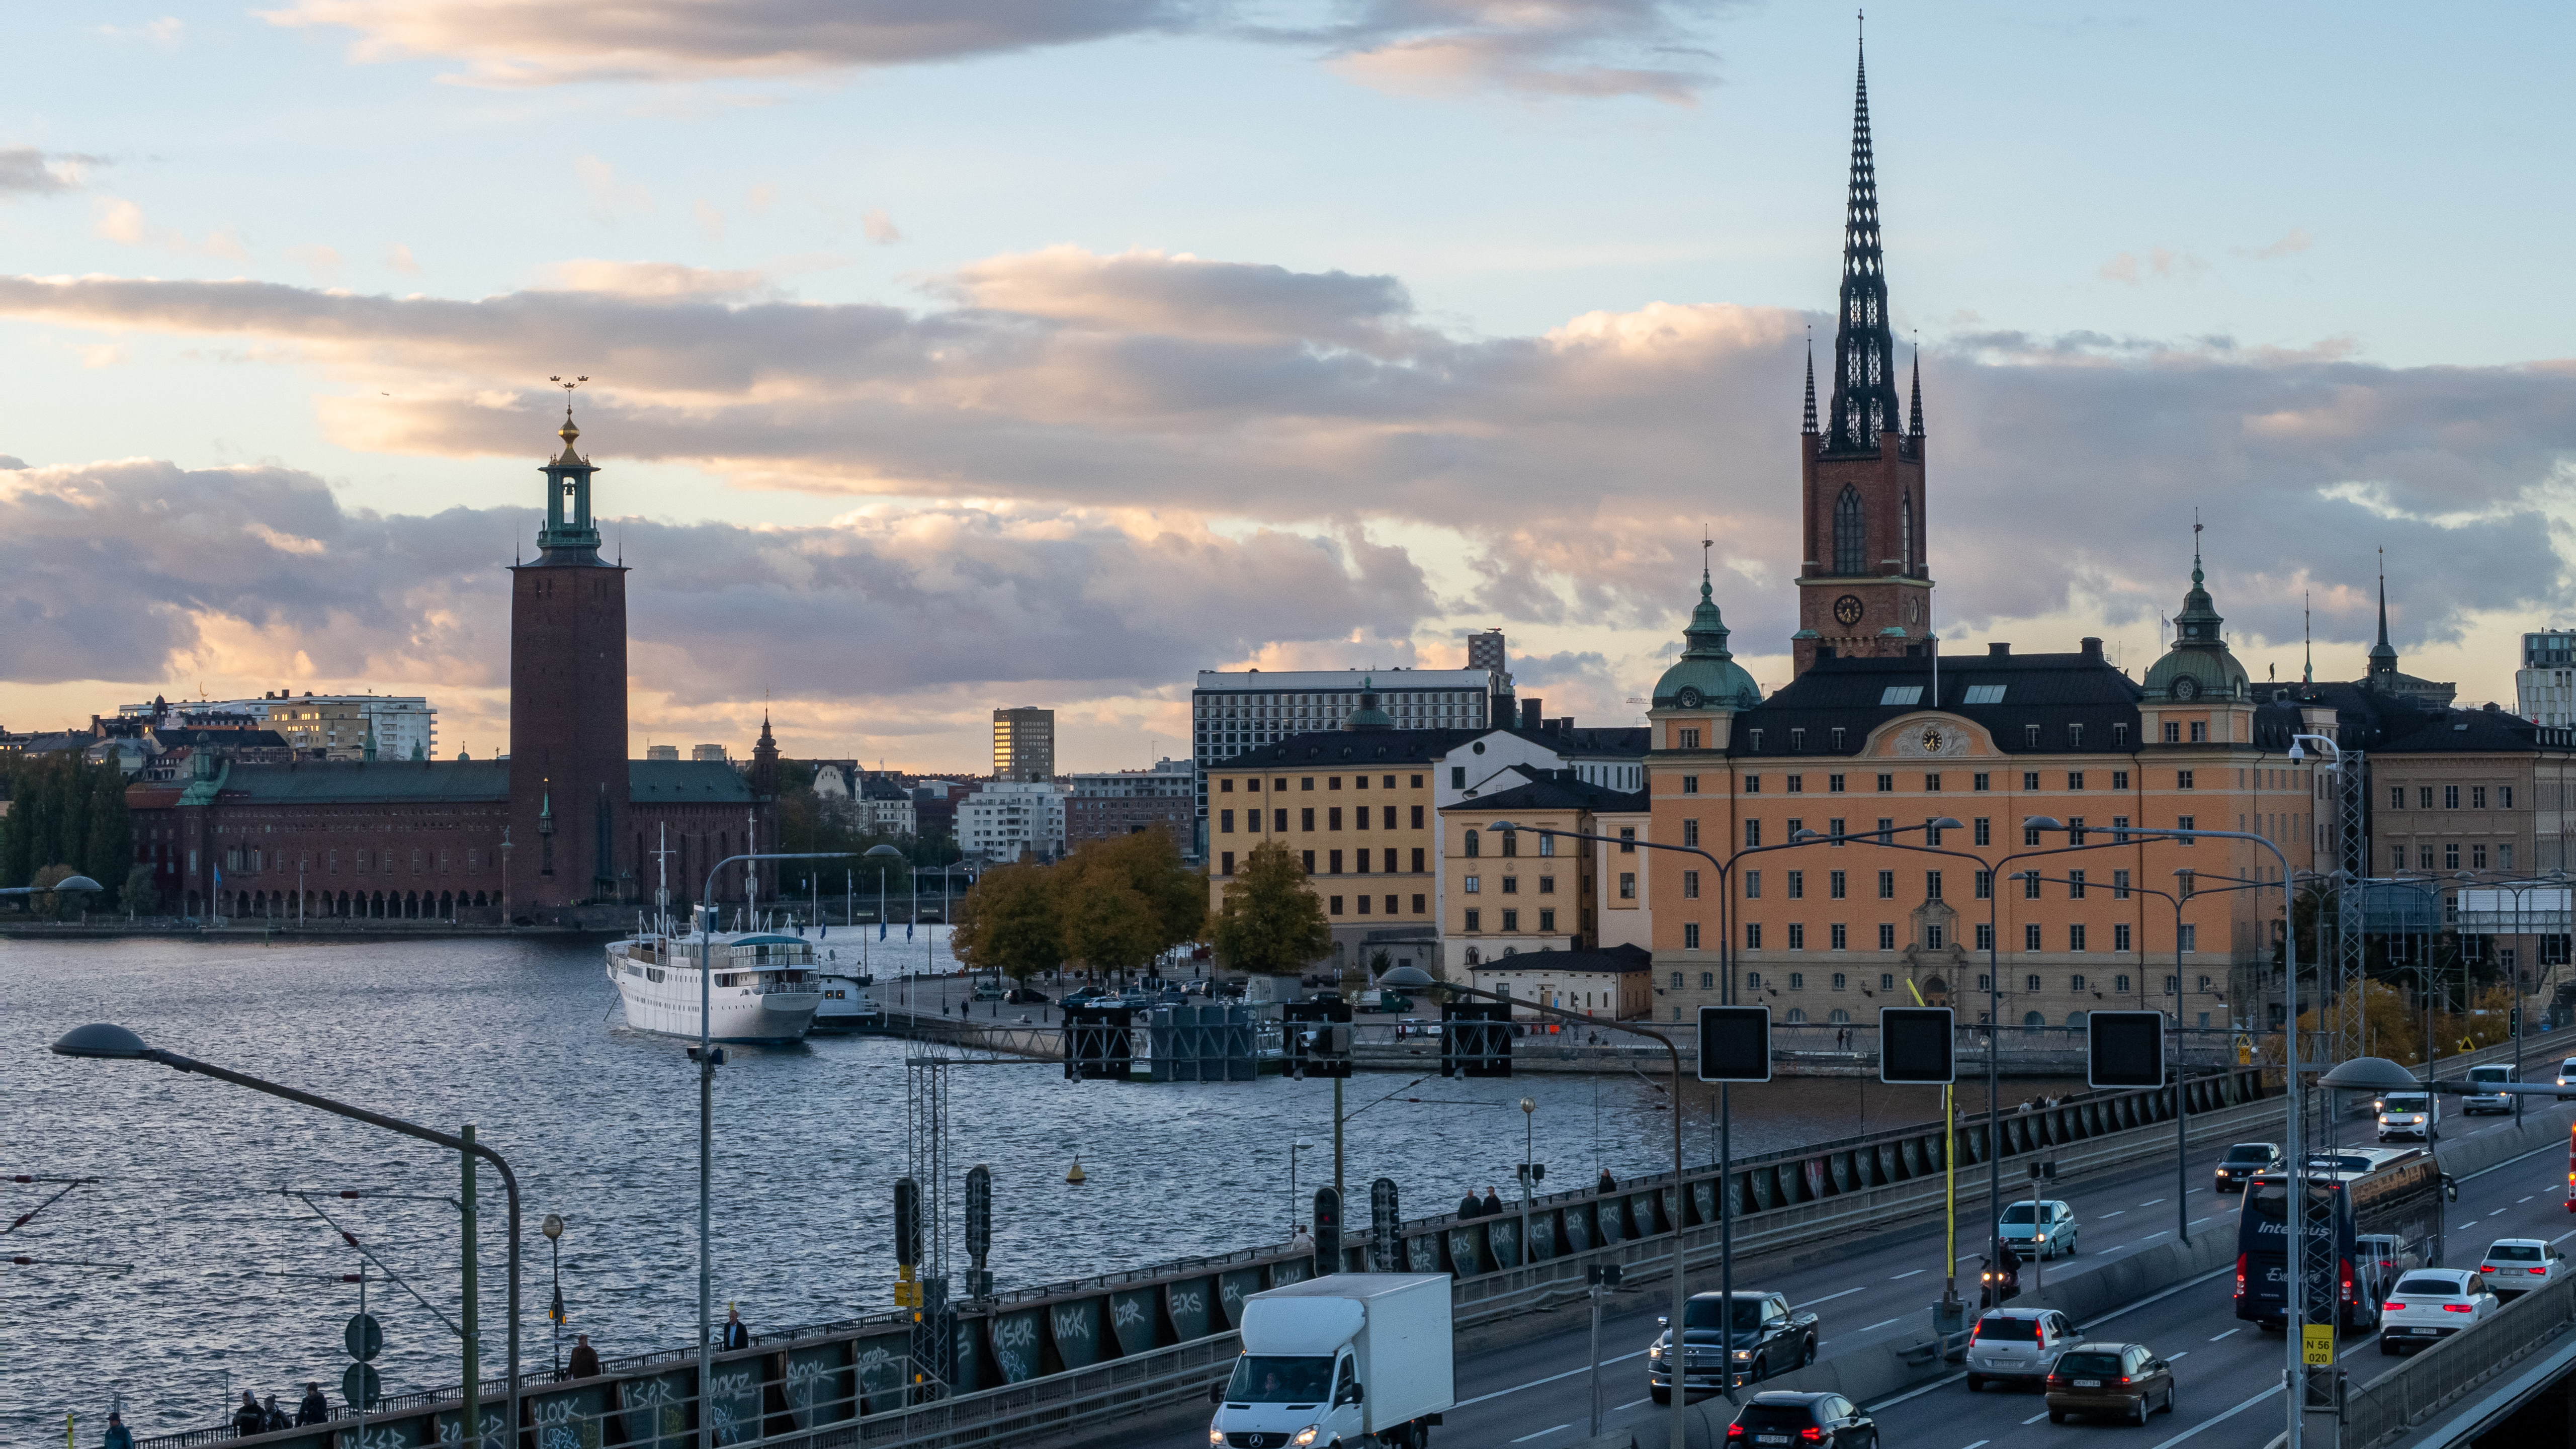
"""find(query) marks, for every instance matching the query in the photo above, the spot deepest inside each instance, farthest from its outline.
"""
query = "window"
(1797, 885)
(1547, 920)
(1932, 784)
(1838, 741)
(1677, 981)
(1225, 863)
(2204, 987)
(2075, 736)
(2182, 779)
(2119, 737)
(1797, 784)
(1752, 935)
(1547, 885)
(1752, 834)
(1333, 817)
(1475, 843)
(2030, 778)
(1707, 979)
(1834, 830)
(1279, 821)
(1886, 936)
(2075, 942)
(2423, 797)
(1886, 830)
(2190, 939)
(1886, 783)
(2200, 732)
(1797, 739)
(2075, 779)
(2450, 855)
(1985, 885)
(2030, 942)
(1985, 827)
(2423, 858)
(1753, 885)
(1833, 784)
(1690, 885)
(1797, 982)
(1851, 534)
(1690, 942)
(2029, 884)
(2187, 822)
(1985, 942)
(2450, 797)
(1225, 822)
(1898, 694)
(1511, 920)
(1689, 740)
(1419, 907)
(1841, 936)
(1981, 781)
(1835, 882)
(2504, 857)
(1627, 840)
(1473, 884)
(1475, 920)
(2031, 983)
(1306, 818)
(1887, 885)
(1932, 832)
(1757, 741)
(1753, 980)
(1627, 885)
(1511, 885)
(1690, 784)
(1457, 777)
(1932, 938)
(1336, 904)
(2119, 885)
(2075, 983)
(2075, 885)
(2173, 733)
(2504, 797)
(1417, 864)
(1306, 782)
(1931, 885)
(1511, 842)
(2477, 857)
(2119, 830)
(1690, 832)
(2120, 942)
(1984, 694)
(2030, 736)
(1307, 859)
(1797, 936)
(2396, 797)
(1334, 783)
(2120, 778)
(1839, 981)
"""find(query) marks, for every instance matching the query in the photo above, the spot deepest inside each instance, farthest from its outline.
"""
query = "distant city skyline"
(1059, 360)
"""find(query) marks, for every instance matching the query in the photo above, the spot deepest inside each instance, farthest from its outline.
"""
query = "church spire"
(1914, 421)
(1864, 403)
(2383, 655)
(1809, 426)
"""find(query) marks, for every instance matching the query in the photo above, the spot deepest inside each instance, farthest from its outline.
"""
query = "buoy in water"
(1076, 1175)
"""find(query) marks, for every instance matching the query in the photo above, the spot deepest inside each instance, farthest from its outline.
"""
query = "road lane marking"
(1901, 1277)
(2114, 1215)
(1830, 1297)
(2151, 1237)
(1543, 1433)
(1632, 1403)
(2035, 1418)
(2169, 1358)
(1980, 1444)
(2196, 1222)
(2231, 1333)
(2499, 1212)
(1885, 1404)
(2220, 1419)
(1875, 1327)
(1551, 1378)
(2518, 1202)
(2151, 1202)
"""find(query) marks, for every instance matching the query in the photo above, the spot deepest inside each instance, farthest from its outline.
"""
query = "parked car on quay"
(1023, 996)
(2431, 1304)
(1803, 1420)
(2126, 1379)
(2015, 1345)
(2245, 1159)
(2515, 1266)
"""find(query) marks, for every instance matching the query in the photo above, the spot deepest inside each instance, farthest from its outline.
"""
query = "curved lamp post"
(102, 1041)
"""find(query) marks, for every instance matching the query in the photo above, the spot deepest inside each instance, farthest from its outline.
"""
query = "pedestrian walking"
(585, 1359)
(250, 1418)
(1468, 1207)
(1493, 1203)
(315, 1409)
(118, 1436)
(271, 1417)
(734, 1334)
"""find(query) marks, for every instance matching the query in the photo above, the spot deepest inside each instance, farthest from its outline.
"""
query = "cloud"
(322, 262)
(879, 227)
(1563, 477)
(398, 258)
(123, 221)
(711, 220)
(164, 32)
(608, 197)
(2161, 263)
(26, 171)
(1560, 48)
(2295, 242)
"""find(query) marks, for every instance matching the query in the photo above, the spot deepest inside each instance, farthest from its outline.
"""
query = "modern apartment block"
(2544, 688)
(1105, 804)
(323, 726)
(1010, 820)
(1024, 744)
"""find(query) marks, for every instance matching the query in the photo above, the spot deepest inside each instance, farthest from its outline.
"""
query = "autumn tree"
(1128, 900)
(1270, 923)
(1010, 922)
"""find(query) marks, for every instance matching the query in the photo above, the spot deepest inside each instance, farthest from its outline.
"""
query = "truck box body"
(1398, 1327)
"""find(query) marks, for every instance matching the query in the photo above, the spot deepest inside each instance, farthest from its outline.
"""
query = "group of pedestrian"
(253, 1416)
(1489, 1206)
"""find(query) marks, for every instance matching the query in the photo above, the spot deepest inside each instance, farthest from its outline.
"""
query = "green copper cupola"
(570, 535)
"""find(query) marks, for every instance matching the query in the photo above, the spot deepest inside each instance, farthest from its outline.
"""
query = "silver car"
(2016, 1344)
(2038, 1229)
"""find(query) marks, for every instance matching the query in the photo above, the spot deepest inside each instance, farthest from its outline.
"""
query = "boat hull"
(662, 996)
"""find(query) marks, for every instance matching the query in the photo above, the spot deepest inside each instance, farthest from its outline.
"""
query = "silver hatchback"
(2016, 1344)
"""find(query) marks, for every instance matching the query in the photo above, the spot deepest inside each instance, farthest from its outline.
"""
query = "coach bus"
(2352, 1193)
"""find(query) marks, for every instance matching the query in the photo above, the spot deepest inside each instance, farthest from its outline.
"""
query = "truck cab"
(1348, 1358)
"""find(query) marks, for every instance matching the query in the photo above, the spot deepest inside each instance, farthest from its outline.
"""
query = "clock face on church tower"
(1847, 610)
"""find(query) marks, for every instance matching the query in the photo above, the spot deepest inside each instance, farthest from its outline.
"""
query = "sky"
(954, 354)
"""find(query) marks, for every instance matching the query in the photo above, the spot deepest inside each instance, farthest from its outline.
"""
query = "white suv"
(2430, 1304)
(2410, 1114)
(2515, 1266)
(2016, 1343)
(2490, 1101)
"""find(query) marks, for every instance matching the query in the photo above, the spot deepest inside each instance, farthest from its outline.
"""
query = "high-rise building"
(1486, 650)
(2544, 687)
(1024, 744)
(1864, 587)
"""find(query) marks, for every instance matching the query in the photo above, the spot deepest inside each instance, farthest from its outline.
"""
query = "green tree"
(1010, 923)
(1270, 922)
(140, 894)
(65, 811)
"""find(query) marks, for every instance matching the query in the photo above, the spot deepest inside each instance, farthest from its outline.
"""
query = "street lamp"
(707, 1058)
(102, 1041)
(1415, 978)
(552, 1227)
(1529, 1159)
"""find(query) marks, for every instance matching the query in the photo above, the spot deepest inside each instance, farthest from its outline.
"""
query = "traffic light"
(1916, 1046)
(1475, 1039)
(1096, 1044)
(1315, 1037)
(1328, 1230)
(1735, 1043)
(2125, 1049)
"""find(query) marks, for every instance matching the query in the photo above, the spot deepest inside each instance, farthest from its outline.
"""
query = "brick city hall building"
(1832, 901)
(564, 830)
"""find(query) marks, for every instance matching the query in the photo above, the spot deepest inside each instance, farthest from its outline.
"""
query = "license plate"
(2426, 1332)
(1770, 1438)
(2088, 1383)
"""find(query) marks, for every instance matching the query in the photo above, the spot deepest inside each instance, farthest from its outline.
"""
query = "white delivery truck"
(1348, 1359)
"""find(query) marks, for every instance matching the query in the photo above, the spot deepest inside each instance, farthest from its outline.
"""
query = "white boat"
(764, 987)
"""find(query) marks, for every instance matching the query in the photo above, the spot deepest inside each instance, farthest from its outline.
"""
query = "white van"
(2410, 1114)
(2567, 1074)
(2472, 1103)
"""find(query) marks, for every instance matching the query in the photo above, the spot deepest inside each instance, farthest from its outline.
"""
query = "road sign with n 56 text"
(1735, 1043)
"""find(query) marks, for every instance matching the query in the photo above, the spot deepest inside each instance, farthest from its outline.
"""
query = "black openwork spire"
(1914, 419)
(1809, 426)
(1865, 401)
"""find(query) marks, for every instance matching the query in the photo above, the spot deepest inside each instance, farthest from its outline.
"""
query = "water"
(522, 1039)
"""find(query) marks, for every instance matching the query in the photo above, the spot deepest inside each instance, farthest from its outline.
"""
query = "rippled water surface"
(522, 1039)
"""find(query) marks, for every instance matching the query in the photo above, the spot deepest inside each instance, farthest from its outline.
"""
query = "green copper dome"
(1706, 674)
(1368, 716)
(2198, 665)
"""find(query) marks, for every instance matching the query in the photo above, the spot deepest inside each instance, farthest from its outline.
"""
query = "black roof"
(2371, 719)
(1858, 695)
(1556, 791)
(1616, 959)
(1328, 748)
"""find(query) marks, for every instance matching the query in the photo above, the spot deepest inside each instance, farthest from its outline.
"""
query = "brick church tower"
(568, 771)
(1864, 590)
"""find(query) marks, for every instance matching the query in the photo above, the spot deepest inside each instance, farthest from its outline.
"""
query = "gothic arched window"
(1905, 530)
(1851, 535)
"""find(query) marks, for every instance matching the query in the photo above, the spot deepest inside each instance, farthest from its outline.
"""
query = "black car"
(2243, 1161)
(1023, 996)
(1764, 1337)
(1801, 1419)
